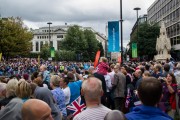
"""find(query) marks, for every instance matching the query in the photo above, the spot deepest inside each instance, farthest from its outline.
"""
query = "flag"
(128, 98)
(97, 58)
(134, 50)
(76, 106)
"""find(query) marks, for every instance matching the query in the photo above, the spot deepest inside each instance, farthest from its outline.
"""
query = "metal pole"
(121, 23)
(49, 32)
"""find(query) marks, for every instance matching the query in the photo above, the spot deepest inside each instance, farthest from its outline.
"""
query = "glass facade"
(169, 12)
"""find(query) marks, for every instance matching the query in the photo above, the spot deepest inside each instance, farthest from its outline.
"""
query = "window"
(59, 45)
(37, 37)
(37, 46)
(51, 43)
(41, 44)
(59, 36)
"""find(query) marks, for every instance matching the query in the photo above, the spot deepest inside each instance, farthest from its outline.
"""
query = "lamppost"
(49, 23)
(121, 22)
(137, 8)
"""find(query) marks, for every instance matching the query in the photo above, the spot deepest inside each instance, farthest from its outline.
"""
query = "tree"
(100, 47)
(146, 42)
(92, 45)
(45, 51)
(74, 40)
(15, 39)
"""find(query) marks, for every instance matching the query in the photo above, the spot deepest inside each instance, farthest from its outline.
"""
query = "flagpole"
(121, 23)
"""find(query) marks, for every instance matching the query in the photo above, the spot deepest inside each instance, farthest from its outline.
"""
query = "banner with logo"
(52, 52)
(113, 36)
(134, 50)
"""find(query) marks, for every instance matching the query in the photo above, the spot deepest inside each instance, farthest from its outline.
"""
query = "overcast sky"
(87, 13)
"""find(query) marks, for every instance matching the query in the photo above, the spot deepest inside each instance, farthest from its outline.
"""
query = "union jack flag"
(76, 106)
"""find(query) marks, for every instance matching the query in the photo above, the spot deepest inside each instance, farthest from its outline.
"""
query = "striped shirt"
(95, 113)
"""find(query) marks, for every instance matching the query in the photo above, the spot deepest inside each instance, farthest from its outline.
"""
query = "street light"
(49, 23)
(137, 8)
(121, 21)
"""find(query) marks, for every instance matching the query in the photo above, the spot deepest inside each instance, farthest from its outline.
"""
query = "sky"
(86, 13)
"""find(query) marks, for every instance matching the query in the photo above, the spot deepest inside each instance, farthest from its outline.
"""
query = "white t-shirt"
(67, 94)
(95, 113)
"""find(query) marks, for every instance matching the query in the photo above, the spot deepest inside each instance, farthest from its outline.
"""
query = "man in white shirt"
(92, 92)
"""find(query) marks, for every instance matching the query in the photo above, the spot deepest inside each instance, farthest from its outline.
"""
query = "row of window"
(47, 30)
(163, 11)
(165, 8)
(47, 37)
(173, 30)
(175, 40)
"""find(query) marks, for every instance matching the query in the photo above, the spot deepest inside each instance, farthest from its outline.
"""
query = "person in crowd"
(10, 92)
(2, 90)
(58, 94)
(168, 101)
(138, 75)
(23, 90)
(94, 73)
(34, 109)
(115, 115)
(150, 93)
(12, 111)
(64, 86)
(157, 71)
(119, 86)
(75, 86)
(102, 67)
(166, 70)
(46, 75)
(146, 74)
(92, 92)
(43, 93)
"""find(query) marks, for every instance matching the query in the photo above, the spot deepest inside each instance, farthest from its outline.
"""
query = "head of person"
(116, 68)
(43, 68)
(11, 88)
(34, 109)
(115, 115)
(150, 91)
(146, 74)
(178, 66)
(166, 67)
(123, 70)
(70, 76)
(157, 68)
(91, 69)
(92, 89)
(2, 90)
(103, 59)
(138, 73)
(23, 89)
(55, 81)
(171, 78)
(63, 82)
(112, 67)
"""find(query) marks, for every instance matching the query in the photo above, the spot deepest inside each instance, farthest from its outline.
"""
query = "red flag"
(97, 58)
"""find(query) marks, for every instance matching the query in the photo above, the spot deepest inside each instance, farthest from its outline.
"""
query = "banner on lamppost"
(134, 50)
(52, 52)
(113, 36)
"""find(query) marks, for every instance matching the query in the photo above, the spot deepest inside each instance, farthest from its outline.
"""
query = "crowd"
(44, 90)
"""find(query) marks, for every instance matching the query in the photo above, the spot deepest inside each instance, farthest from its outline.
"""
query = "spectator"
(92, 92)
(35, 109)
(115, 115)
(150, 93)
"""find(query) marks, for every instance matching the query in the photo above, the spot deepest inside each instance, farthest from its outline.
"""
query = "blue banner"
(113, 36)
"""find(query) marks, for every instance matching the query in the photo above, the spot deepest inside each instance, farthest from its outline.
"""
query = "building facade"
(169, 12)
(57, 34)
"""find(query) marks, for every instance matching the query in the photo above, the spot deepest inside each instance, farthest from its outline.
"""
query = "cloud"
(91, 13)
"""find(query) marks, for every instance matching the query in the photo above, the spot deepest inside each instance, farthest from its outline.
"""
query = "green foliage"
(63, 55)
(146, 42)
(15, 39)
(83, 43)
(45, 51)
